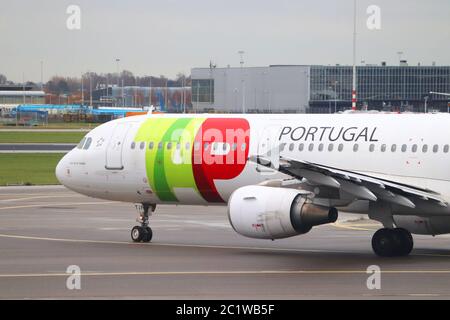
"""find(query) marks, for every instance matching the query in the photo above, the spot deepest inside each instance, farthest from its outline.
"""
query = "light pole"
(354, 96)
(90, 89)
(118, 76)
(335, 96)
(400, 54)
(241, 54)
(42, 75)
(82, 91)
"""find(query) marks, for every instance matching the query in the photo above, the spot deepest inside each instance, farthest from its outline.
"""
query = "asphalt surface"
(194, 255)
(36, 147)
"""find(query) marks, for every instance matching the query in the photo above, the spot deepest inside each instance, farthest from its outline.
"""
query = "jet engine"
(275, 213)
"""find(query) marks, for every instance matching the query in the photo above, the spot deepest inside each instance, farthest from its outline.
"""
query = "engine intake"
(275, 213)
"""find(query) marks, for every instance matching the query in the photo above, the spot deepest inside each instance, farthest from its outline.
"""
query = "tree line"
(69, 85)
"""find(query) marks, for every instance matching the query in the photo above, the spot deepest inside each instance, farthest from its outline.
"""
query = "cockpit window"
(87, 144)
(80, 145)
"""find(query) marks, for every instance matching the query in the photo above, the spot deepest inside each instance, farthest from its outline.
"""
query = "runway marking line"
(352, 227)
(41, 197)
(222, 272)
(57, 204)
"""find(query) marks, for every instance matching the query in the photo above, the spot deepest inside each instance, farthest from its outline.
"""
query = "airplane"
(279, 175)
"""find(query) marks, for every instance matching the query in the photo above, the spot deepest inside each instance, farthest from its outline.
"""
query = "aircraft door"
(115, 147)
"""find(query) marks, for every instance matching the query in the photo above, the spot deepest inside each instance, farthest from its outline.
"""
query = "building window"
(203, 90)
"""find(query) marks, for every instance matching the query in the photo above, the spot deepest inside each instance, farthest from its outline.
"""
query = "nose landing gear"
(143, 233)
(392, 242)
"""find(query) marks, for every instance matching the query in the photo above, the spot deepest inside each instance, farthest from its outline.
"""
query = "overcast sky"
(171, 36)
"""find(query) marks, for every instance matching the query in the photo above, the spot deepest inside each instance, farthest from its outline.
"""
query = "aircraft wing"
(362, 186)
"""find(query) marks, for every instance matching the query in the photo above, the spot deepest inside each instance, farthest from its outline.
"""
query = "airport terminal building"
(319, 89)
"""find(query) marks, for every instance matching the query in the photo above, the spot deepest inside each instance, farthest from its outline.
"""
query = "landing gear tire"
(148, 234)
(137, 234)
(407, 241)
(392, 242)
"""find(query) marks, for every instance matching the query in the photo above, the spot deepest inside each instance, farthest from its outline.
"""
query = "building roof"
(21, 93)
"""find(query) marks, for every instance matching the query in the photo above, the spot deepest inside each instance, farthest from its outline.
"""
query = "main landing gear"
(392, 242)
(143, 233)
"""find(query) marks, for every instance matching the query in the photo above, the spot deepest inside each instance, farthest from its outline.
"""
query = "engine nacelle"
(275, 213)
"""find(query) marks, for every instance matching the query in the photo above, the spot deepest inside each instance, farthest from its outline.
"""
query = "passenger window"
(133, 145)
(436, 148)
(244, 146)
(356, 147)
(394, 148)
(425, 148)
(187, 146)
(383, 148)
(301, 147)
(414, 148)
(197, 146)
(160, 145)
(80, 145)
(178, 146)
(87, 144)
(372, 148)
(234, 146)
(291, 147)
(169, 146)
(321, 147)
(341, 147)
(330, 147)
(151, 145)
(311, 147)
(282, 147)
(206, 146)
(446, 148)
(142, 145)
(404, 148)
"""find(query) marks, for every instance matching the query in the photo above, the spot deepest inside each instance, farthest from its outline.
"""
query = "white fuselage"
(122, 161)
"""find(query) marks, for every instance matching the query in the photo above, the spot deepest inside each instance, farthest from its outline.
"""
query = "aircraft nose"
(62, 170)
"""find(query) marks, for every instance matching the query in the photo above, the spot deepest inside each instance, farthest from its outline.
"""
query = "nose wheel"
(392, 242)
(143, 233)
